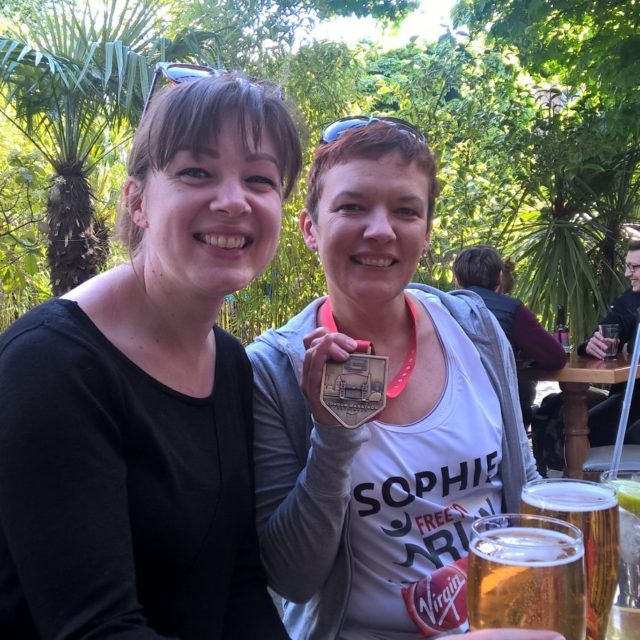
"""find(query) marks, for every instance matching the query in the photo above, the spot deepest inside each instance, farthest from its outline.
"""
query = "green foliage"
(593, 42)
(380, 9)
(253, 35)
(23, 238)
(534, 118)
(583, 144)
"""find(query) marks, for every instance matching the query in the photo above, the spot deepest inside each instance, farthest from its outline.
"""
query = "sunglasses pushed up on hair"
(333, 131)
(177, 73)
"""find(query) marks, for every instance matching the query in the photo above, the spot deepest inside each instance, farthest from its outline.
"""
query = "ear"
(308, 229)
(133, 191)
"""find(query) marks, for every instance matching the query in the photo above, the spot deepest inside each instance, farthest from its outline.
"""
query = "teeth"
(224, 242)
(374, 262)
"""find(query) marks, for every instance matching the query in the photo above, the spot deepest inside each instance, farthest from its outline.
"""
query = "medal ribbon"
(399, 382)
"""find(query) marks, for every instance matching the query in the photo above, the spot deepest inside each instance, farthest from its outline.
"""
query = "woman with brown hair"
(126, 483)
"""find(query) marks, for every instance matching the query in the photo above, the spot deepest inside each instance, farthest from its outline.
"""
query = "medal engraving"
(355, 390)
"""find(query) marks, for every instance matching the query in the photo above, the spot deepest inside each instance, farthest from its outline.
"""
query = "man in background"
(605, 416)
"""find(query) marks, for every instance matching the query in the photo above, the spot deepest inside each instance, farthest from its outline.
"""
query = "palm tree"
(72, 80)
(587, 179)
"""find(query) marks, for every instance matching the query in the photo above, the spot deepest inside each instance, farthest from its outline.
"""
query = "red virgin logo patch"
(438, 603)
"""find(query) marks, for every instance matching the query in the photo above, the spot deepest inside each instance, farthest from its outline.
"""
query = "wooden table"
(574, 380)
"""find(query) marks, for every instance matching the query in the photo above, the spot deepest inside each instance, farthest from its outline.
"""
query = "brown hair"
(633, 245)
(479, 265)
(371, 141)
(508, 279)
(190, 115)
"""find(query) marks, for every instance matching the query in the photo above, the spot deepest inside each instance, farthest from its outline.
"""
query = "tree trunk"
(72, 251)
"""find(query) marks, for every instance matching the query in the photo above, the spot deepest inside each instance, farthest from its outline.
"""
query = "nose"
(230, 198)
(380, 225)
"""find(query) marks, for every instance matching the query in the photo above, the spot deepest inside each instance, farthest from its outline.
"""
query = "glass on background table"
(624, 620)
(526, 571)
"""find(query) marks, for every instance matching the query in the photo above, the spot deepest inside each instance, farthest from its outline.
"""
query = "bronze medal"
(355, 391)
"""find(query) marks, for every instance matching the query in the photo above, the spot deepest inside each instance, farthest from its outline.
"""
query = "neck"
(174, 318)
(374, 322)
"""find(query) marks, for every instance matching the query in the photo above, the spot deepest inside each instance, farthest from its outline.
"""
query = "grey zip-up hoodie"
(303, 470)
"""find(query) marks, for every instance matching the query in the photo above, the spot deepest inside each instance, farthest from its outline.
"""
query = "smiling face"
(371, 227)
(211, 221)
(633, 257)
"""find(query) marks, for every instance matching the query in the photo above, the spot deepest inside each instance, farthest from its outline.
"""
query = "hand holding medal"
(355, 390)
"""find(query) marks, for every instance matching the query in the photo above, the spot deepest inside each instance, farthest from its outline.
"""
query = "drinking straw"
(626, 403)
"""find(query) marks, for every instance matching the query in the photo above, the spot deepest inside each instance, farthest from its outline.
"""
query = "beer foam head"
(527, 547)
(561, 494)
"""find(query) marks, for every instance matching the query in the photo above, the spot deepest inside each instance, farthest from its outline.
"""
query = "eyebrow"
(361, 194)
(348, 194)
(255, 156)
(262, 155)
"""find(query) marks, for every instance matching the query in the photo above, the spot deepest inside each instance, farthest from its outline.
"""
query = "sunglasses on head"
(177, 73)
(333, 131)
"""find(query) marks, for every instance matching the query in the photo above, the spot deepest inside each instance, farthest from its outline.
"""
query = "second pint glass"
(526, 571)
(593, 508)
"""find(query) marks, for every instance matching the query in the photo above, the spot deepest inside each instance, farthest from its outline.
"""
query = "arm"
(248, 590)
(251, 613)
(535, 342)
(63, 496)
(621, 314)
(302, 480)
(513, 634)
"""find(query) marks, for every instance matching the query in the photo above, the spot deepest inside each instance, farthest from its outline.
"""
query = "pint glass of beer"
(526, 571)
(593, 508)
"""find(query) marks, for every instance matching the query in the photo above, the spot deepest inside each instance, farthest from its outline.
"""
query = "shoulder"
(286, 342)
(629, 300)
(466, 307)
(57, 328)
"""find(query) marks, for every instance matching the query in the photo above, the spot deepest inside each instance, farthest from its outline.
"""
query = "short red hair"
(372, 141)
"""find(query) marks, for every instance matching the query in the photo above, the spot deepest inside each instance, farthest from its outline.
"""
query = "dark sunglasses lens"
(337, 128)
(333, 131)
(180, 74)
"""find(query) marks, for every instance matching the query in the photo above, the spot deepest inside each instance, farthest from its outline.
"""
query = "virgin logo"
(438, 602)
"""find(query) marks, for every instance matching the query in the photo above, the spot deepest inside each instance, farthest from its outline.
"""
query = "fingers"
(322, 345)
(597, 346)
(333, 345)
(513, 634)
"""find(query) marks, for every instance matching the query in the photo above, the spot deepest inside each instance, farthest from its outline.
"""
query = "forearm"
(535, 342)
(303, 522)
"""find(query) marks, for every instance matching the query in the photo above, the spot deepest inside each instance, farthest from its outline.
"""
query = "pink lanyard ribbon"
(399, 381)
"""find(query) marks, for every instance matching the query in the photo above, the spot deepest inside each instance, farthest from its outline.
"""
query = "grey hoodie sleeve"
(302, 479)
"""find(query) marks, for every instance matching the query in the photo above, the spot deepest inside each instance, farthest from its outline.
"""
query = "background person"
(126, 493)
(481, 269)
(605, 416)
(357, 524)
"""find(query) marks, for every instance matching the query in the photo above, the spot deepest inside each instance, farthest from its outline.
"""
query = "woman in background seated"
(481, 269)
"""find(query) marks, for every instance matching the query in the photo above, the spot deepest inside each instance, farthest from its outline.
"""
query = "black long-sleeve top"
(623, 313)
(126, 507)
(528, 338)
